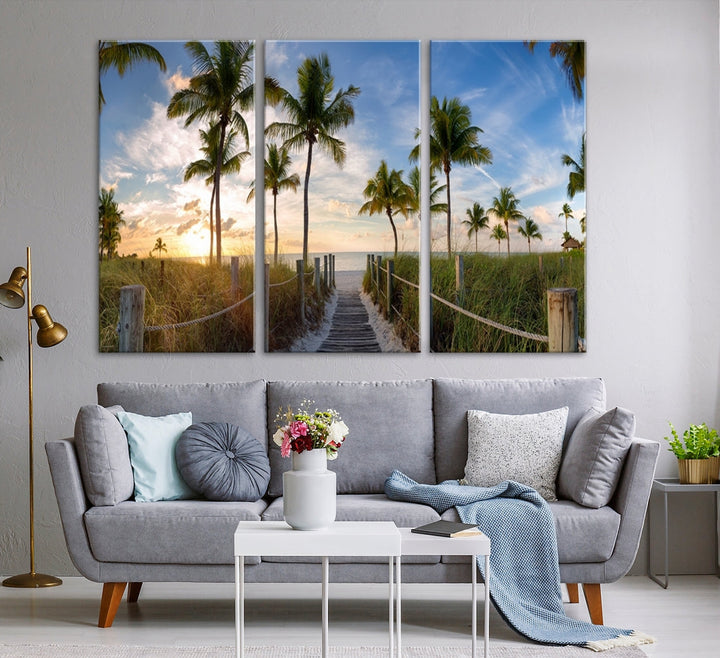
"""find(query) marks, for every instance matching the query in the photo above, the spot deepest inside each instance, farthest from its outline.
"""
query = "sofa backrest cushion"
(103, 456)
(390, 427)
(239, 403)
(452, 398)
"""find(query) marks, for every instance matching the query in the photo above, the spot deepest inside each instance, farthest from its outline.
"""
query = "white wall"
(653, 170)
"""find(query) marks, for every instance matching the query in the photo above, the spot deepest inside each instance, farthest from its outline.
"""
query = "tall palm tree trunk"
(476, 247)
(507, 233)
(212, 225)
(218, 173)
(275, 193)
(306, 212)
(392, 223)
(449, 212)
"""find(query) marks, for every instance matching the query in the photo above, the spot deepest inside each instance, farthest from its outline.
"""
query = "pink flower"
(285, 446)
(298, 428)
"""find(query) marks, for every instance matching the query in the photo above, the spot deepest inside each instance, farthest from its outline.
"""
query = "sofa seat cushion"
(390, 423)
(365, 507)
(168, 532)
(583, 534)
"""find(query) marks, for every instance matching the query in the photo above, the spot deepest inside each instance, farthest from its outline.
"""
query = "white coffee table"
(355, 538)
(417, 544)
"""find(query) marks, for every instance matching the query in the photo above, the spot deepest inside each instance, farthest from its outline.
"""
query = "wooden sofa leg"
(573, 592)
(593, 599)
(111, 596)
(133, 592)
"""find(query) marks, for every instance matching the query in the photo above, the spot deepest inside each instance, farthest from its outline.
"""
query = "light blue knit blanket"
(524, 570)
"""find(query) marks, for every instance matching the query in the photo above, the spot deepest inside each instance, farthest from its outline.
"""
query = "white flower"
(337, 432)
(278, 436)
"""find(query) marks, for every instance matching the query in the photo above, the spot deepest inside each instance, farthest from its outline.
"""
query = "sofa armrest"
(631, 501)
(72, 503)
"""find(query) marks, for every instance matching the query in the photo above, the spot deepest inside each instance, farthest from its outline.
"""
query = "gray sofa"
(417, 426)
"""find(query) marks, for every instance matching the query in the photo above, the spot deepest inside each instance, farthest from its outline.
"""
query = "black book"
(448, 529)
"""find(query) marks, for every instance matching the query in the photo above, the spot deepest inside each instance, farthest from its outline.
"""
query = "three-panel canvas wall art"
(338, 172)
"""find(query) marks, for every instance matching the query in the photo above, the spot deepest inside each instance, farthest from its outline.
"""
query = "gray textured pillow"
(223, 462)
(103, 454)
(525, 448)
(594, 457)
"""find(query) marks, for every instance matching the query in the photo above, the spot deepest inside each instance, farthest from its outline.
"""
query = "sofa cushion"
(168, 532)
(222, 461)
(240, 403)
(152, 443)
(390, 427)
(525, 448)
(365, 507)
(584, 535)
(453, 397)
(594, 456)
(103, 455)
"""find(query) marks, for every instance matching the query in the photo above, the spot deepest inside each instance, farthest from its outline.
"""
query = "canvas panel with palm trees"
(176, 165)
(341, 196)
(507, 156)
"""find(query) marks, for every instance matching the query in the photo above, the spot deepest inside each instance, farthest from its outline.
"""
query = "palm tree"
(498, 233)
(221, 87)
(206, 167)
(436, 207)
(566, 212)
(453, 139)
(576, 178)
(388, 193)
(277, 166)
(160, 246)
(110, 221)
(313, 118)
(505, 208)
(530, 230)
(572, 54)
(123, 56)
(477, 219)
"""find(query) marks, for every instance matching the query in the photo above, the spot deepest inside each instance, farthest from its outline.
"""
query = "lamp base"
(32, 580)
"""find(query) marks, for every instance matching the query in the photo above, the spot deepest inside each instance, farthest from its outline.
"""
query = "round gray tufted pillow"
(223, 462)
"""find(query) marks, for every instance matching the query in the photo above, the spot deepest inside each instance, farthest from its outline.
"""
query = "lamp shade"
(11, 293)
(49, 333)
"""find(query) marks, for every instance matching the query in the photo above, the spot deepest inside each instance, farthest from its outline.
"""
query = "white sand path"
(350, 281)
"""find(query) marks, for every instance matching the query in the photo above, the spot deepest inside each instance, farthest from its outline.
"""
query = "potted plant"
(693, 452)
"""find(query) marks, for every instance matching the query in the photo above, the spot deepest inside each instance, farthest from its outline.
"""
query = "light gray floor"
(685, 619)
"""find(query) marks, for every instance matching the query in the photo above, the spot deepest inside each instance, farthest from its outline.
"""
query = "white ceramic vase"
(309, 491)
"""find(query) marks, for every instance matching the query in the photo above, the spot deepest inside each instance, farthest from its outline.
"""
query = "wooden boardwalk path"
(350, 330)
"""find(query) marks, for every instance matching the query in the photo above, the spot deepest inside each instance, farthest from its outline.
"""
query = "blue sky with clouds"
(520, 100)
(143, 155)
(386, 117)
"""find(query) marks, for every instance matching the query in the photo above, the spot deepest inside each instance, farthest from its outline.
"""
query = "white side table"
(416, 544)
(355, 538)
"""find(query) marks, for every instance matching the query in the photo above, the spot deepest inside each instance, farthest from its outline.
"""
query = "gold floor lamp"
(49, 333)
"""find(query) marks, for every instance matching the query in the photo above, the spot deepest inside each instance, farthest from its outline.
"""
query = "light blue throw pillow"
(152, 455)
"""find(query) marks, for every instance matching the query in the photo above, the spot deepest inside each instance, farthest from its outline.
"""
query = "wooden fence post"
(371, 265)
(459, 280)
(299, 266)
(131, 327)
(389, 288)
(367, 266)
(326, 278)
(317, 275)
(378, 281)
(540, 263)
(332, 270)
(562, 320)
(267, 306)
(162, 273)
(234, 276)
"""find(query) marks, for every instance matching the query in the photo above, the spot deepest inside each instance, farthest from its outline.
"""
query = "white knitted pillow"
(525, 448)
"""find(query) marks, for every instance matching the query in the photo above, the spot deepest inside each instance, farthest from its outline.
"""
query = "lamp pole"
(33, 579)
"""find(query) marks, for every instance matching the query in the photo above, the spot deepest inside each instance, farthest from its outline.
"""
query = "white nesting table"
(474, 545)
(355, 538)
